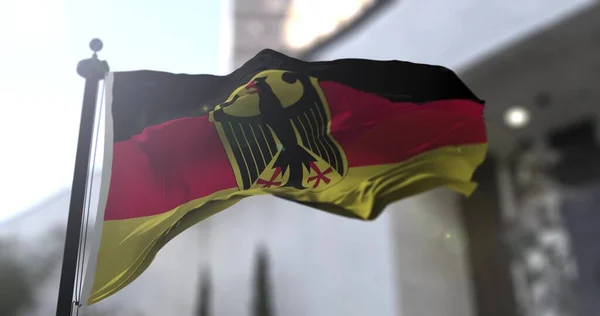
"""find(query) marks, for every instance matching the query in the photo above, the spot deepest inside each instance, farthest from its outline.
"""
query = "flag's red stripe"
(178, 161)
(166, 166)
(373, 130)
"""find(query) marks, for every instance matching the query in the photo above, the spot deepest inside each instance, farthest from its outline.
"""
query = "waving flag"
(346, 136)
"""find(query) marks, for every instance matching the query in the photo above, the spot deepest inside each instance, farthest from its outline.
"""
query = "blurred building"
(434, 254)
(296, 28)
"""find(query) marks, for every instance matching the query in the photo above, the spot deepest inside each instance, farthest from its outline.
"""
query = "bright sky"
(41, 42)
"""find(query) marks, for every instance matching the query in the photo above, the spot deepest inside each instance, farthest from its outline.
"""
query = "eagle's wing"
(251, 142)
(310, 118)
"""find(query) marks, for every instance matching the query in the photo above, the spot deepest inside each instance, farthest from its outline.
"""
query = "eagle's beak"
(252, 88)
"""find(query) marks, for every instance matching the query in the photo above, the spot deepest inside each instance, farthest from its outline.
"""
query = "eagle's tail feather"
(287, 156)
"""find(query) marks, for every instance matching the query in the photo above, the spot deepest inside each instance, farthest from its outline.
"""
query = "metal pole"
(93, 70)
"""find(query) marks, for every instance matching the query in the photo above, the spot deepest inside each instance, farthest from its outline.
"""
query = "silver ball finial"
(93, 68)
(96, 45)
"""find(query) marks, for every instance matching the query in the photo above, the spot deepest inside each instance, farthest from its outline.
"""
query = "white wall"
(430, 248)
(321, 264)
(452, 33)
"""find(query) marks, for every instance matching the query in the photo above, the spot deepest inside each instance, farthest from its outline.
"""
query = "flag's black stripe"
(147, 98)
(250, 168)
(237, 153)
(397, 81)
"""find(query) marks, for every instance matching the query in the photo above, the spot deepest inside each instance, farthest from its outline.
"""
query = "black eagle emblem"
(296, 135)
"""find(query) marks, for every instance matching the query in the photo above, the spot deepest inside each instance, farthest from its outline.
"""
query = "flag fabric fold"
(346, 136)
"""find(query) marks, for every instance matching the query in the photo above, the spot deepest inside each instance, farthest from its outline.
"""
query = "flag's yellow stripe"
(128, 246)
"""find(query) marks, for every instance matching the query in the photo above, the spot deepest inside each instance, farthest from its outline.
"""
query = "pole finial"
(93, 68)
(96, 45)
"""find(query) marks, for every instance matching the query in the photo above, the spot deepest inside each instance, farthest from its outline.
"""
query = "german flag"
(346, 136)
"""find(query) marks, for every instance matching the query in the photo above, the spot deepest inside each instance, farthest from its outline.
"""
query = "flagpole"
(93, 70)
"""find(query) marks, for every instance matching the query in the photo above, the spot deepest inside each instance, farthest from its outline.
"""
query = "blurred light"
(309, 21)
(516, 117)
(453, 241)
(274, 6)
(535, 260)
(553, 238)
